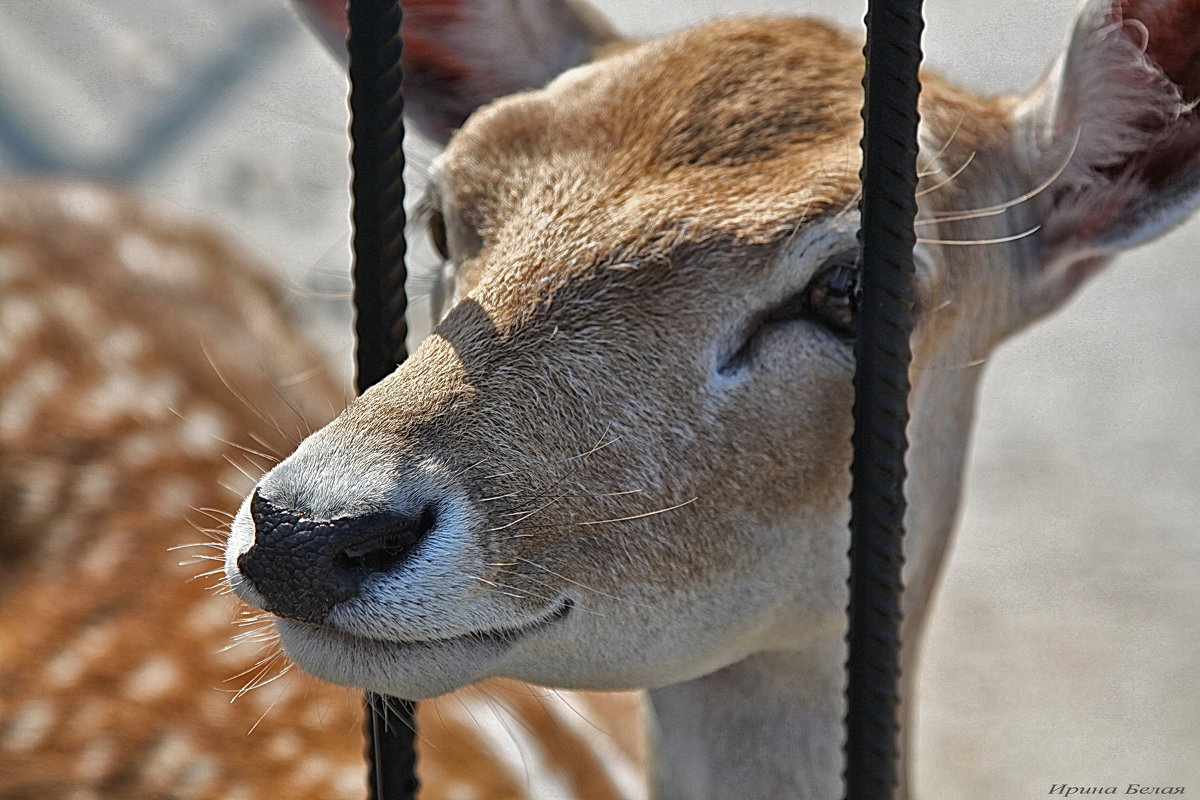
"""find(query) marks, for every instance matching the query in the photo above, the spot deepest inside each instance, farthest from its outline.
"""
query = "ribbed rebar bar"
(882, 353)
(377, 159)
(391, 757)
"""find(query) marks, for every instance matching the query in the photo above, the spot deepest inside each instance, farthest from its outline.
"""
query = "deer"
(151, 363)
(620, 461)
(121, 325)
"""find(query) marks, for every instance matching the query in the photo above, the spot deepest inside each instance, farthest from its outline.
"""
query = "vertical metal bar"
(377, 158)
(391, 757)
(887, 238)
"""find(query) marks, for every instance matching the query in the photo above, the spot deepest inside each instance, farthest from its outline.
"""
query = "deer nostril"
(383, 548)
(303, 567)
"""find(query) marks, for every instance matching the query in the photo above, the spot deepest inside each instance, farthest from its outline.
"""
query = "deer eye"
(437, 232)
(831, 298)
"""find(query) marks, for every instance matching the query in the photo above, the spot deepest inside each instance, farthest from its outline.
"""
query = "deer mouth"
(414, 668)
(500, 636)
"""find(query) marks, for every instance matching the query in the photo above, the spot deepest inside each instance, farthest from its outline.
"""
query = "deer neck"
(939, 434)
(767, 726)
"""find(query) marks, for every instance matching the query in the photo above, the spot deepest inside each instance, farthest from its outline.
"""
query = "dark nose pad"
(304, 567)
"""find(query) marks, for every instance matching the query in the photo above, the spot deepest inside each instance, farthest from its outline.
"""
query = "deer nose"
(304, 567)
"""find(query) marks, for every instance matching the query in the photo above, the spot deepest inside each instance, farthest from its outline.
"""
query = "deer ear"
(1115, 118)
(461, 54)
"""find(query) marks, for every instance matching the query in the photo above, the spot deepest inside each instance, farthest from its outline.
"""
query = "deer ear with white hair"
(461, 54)
(1116, 118)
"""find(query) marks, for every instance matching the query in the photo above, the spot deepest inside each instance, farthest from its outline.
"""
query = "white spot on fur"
(61, 538)
(174, 491)
(284, 746)
(349, 782)
(102, 558)
(128, 392)
(65, 668)
(86, 204)
(174, 750)
(97, 486)
(460, 790)
(78, 309)
(212, 614)
(97, 641)
(138, 251)
(95, 758)
(28, 727)
(275, 697)
(315, 716)
(144, 449)
(125, 344)
(238, 657)
(18, 316)
(23, 397)
(238, 792)
(22, 317)
(313, 770)
(197, 777)
(204, 430)
(155, 678)
(163, 264)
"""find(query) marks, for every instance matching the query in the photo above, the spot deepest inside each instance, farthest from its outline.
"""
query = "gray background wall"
(1066, 641)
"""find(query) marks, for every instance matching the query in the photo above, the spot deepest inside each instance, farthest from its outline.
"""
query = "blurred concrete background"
(1065, 646)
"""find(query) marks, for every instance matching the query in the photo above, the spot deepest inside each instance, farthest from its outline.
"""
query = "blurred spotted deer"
(146, 363)
(130, 339)
(621, 459)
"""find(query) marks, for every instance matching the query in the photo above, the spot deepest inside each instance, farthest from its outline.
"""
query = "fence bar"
(888, 207)
(377, 159)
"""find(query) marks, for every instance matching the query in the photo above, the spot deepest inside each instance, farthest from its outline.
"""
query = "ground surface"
(1066, 641)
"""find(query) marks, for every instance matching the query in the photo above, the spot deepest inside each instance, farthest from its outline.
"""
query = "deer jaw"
(629, 474)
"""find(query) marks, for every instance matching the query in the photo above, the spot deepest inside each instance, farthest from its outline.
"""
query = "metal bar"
(377, 157)
(391, 757)
(882, 353)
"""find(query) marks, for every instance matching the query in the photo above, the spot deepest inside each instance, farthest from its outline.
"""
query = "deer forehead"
(758, 134)
(674, 152)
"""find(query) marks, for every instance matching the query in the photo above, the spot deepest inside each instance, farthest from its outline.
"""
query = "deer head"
(621, 459)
